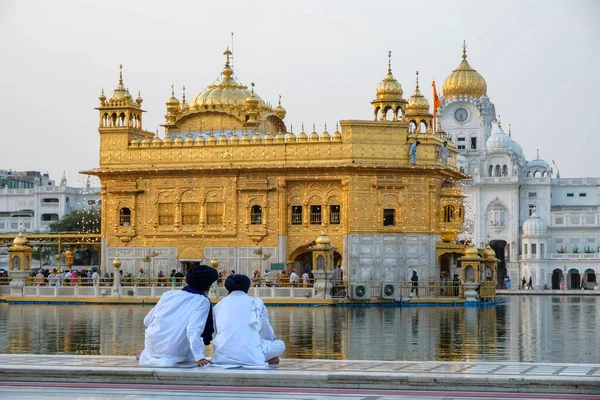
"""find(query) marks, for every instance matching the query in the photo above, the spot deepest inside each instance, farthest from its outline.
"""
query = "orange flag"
(436, 105)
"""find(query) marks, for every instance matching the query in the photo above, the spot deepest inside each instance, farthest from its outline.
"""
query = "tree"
(84, 221)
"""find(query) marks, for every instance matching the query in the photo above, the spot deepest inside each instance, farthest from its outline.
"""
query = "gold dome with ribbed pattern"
(464, 81)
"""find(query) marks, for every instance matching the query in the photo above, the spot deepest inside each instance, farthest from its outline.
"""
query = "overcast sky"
(540, 59)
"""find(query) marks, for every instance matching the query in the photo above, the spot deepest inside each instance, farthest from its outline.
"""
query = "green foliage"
(83, 221)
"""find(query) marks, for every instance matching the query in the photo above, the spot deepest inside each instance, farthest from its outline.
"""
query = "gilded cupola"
(121, 93)
(464, 81)
(389, 97)
(417, 103)
(279, 110)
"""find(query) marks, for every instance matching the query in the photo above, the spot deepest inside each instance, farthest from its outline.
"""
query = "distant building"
(36, 200)
(539, 225)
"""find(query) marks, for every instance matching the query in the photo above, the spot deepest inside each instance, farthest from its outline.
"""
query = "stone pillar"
(471, 292)
(116, 288)
(322, 285)
(17, 284)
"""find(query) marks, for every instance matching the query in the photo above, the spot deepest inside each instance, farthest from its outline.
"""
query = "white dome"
(499, 142)
(517, 149)
(539, 164)
(534, 226)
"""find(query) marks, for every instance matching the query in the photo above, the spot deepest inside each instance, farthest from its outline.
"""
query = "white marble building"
(37, 201)
(540, 226)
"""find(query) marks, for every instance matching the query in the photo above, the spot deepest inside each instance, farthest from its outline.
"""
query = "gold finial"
(325, 126)
(291, 128)
(156, 132)
(390, 61)
(20, 226)
(102, 91)
(337, 127)
(279, 100)
(120, 74)
(538, 153)
(314, 130)
(183, 95)
(499, 122)
(117, 261)
(509, 132)
(252, 84)
(227, 53)
(172, 90)
(303, 127)
(464, 46)
(139, 92)
(417, 80)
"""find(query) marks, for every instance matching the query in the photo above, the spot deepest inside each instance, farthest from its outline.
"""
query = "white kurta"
(173, 330)
(244, 335)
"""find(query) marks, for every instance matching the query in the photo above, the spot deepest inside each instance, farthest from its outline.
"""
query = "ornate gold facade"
(229, 174)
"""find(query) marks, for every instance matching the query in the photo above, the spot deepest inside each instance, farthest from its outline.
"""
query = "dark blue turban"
(237, 282)
(201, 277)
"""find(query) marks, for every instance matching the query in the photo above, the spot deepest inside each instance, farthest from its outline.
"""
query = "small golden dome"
(189, 140)
(417, 103)
(336, 135)
(268, 138)
(120, 92)
(314, 136)
(214, 262)
(146, 142)
(302, 136)
(252, 100)
(464, 81)
(222, 138)
(235, 139)
(156, 141)
(135, 142)
(389, 89)
(212, 140)
(167, 141)
(279, 110)
(172, 103)
(20, 240)
(178, 141)
(139, 99)
(245, 138)
(489, 253)
(290, 137)
(471, 250)
(323, 239)
(102, 97)
(325, 136)
(256, 138)
(200, 140)
(280, 137)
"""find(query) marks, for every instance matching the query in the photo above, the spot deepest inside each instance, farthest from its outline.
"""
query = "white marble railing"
(496, 179)
(576, 181)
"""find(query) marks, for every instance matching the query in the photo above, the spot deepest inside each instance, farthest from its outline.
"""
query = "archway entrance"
(303, 261)
(574, 279)
(589, 279)
(501, 249)
(557, 277)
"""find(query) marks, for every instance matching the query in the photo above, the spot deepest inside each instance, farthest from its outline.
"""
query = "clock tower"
(466, 113)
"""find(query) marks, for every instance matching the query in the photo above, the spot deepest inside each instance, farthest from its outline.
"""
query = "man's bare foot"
(139, 354)
(274, 360)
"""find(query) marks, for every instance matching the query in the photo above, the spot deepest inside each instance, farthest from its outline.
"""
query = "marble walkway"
(536, 380)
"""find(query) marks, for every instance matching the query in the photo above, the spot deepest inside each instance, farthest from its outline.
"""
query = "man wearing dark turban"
(181, 324)
(244, 335)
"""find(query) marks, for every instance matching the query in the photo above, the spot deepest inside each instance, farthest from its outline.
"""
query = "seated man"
(244, 335)
(181, 324)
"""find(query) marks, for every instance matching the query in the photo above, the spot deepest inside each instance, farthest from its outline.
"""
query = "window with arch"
(473, 142)
(448, 213)
(256, 215)
(422, 127)
(504, 170)
(412, 127)
(460, 141)
(389, 217)
(16, 263)
(490, 170)
(529, 175)
(190, 213)
(124, 216)
(166, 214)
(497, 170)
(497, 215)
(461, 215)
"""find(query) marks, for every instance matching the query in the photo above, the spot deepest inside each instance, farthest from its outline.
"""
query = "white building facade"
(540, 226)
(36, 201)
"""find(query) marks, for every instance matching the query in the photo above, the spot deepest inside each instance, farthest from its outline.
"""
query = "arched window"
(497, 170)
(448, 213)
(412, 127)
(124, 216)
(256, 215)
(504, 170)
(529, 174)
(422, 127)
(190, 213)
(536, 174)
(497, 215)
(16, 263)
(491, 170)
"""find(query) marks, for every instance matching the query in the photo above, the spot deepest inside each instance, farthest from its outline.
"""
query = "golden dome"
(117, 262)
(417, 103)
(323, 239)
(135, 142)
(20, 240)
(336, 135)
(302, 136)
(214, 262)
(268, 138)
(228, 92)
(489, 253)
(189, 140)
(120, 92)
(290, 137)
(222, 138)
(156, 141)
(139, 99)
(389, 89)
(167, 141)
(146, 142)
(279, 110)
(464, 81)
(102, 97)
(256, 138)
(212, 140)
(172, 102)
(325, 136)
(245, 138)
(178, 141)
(200, 141)
(314, 136)
(234, 138)
(280, 137)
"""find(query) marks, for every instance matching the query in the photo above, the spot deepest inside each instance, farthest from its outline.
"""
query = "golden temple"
(229, 177)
